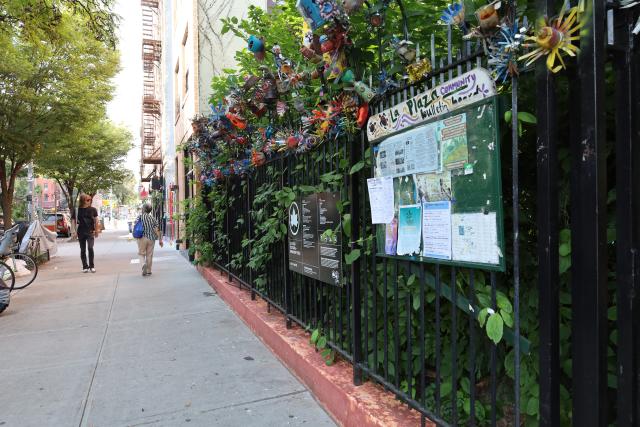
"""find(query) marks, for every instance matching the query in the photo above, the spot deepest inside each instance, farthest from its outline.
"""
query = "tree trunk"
(7, 185)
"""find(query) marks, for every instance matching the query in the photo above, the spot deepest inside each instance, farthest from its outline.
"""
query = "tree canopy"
(50, 90)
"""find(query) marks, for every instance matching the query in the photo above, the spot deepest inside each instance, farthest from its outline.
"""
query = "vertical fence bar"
(627, 107)
(589, 339)
(547, 221)
(356, 319)
(516, 246)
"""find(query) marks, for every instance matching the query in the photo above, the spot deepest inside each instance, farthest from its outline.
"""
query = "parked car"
(59, 222)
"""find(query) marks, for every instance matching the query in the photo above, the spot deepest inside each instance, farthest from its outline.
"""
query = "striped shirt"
(150, 225)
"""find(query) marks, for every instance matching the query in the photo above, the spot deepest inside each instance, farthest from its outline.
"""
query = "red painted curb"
(365, 405)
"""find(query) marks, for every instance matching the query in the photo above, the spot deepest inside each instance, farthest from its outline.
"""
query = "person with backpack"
(85, 221)
(146, 231)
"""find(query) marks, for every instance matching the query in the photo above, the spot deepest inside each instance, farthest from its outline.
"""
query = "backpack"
(138, 228)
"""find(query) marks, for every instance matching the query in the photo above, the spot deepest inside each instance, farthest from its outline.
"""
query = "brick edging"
(366, 405)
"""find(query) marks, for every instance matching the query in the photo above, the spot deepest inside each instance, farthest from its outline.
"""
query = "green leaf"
(314, 336)
(322, 343)
(532, 406)
(527, 117)
(346, 224)
(357, 167)
(565, 249)
(495, 326)
(507, 116)
(565, 264)
(445, 389)
(234, 20)
(507, 317)
(326, 352)
(352, 256)
(307, 188)
(504, 303)
(411, 280)
(482, 316)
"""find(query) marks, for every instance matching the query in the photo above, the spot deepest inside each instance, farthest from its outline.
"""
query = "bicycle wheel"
(5, 296)
(24, 268)
(7, 278)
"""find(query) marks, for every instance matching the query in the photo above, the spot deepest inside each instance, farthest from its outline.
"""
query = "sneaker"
(93, 270)
(85, 270)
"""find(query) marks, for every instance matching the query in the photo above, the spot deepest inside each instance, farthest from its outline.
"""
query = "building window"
(46, 196)
(46, 186)
(176, 93)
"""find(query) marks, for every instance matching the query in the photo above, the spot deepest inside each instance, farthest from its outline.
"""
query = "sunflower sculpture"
(554, 38)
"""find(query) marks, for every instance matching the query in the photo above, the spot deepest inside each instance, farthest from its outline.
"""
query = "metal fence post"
(288, 292)
(627, 65)
(589, 220)
(547, 219)
(356, 321)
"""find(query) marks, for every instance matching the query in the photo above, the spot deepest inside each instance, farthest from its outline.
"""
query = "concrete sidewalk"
(116, 349)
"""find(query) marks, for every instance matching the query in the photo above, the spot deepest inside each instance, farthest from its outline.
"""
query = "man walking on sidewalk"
(148, 239)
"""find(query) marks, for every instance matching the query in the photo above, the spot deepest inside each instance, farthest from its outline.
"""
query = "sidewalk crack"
(104, 338)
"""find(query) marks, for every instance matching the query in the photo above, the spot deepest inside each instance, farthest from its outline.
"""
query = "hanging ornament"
(487, 15)
(310, 12)
(292, 142)
(376, 20)
(554, 38)
(365, 92)
(281, 108)
(503, 54)
(418, 70)
(363, 115)
(454, 15)
(258, 158)
(310, 54)
(405, 49)
(348, 77)
(237, 121)
(326, 44)
(256, 45)
(351, 6)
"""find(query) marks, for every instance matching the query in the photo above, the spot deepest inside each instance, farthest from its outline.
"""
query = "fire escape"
(151, 156)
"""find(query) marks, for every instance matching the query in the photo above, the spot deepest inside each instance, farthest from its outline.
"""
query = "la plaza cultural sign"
(466, 89)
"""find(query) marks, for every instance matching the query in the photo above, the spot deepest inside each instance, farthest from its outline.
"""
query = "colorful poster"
(436, 230)
(475, 238)
(434, 187)
(391, 237)
(413, 151)
(453, 142)
(381, 199)
(409, 229)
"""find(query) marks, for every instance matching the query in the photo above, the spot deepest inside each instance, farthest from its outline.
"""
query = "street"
(117, 349)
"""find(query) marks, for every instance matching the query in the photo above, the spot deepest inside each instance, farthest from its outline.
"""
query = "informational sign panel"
(315, 243)
(446, 195)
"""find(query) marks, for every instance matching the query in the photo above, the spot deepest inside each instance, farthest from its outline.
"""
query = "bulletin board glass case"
(447, 189)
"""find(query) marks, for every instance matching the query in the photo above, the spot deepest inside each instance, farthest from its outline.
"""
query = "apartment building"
(194, 50)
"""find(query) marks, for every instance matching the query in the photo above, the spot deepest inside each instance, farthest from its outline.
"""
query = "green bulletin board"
(464, 187)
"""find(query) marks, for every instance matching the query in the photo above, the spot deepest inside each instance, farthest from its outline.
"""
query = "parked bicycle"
(22, 266)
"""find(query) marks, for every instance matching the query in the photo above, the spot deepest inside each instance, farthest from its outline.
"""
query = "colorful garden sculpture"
(554, 38)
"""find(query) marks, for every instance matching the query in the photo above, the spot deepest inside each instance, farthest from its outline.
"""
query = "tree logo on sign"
(294, 218)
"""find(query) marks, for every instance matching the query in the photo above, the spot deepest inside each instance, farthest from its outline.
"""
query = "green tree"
(43, 17)
(50, 90)
(125, 190)
(92, 161)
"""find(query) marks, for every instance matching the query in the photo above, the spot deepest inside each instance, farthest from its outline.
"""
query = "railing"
(412, 327)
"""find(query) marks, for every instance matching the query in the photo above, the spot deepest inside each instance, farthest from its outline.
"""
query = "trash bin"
(130, 224)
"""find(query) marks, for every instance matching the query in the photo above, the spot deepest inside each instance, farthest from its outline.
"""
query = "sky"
(125, 108)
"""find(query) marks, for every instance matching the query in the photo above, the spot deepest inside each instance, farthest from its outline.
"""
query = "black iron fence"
(413, 327)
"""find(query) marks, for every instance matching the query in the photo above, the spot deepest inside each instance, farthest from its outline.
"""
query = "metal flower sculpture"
(454, 15)
(554, 37)
(503, 54)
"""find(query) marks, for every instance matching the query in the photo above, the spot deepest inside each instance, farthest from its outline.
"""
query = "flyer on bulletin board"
(409, 229)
